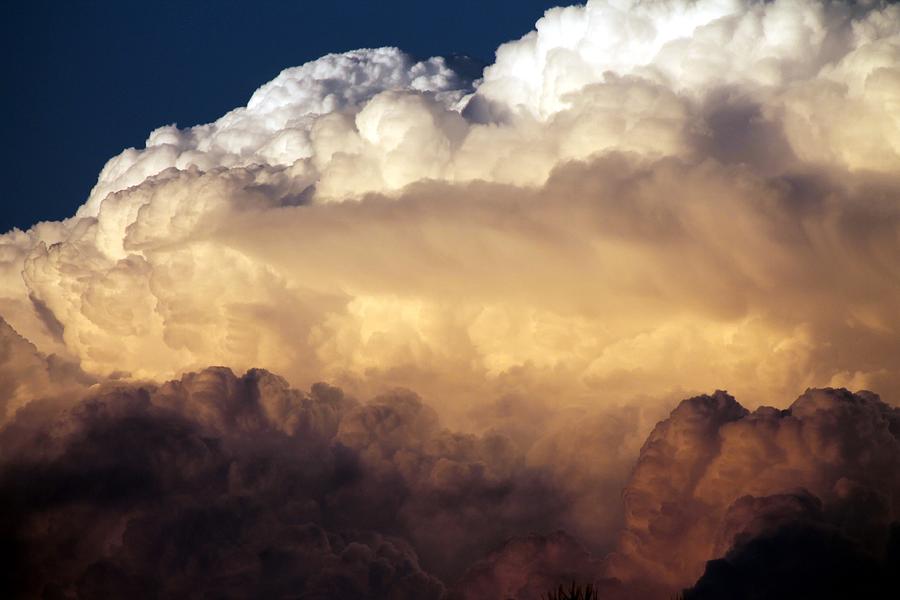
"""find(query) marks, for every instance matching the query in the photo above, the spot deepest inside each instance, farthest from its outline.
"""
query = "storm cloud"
(221, 485)
(508, 284)
(630, 199)
(224, 486)
(715, 479)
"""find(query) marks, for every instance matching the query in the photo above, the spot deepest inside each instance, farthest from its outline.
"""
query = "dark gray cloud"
(527, 567)
(230, 486)
(222, 486)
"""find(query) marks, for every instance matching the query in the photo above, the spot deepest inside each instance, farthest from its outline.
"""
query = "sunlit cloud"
(637, 203)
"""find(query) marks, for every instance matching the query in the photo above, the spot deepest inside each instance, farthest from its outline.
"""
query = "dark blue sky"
(83, 80)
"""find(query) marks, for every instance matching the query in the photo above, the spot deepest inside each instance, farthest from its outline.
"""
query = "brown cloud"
(215, 482)
(714, 476)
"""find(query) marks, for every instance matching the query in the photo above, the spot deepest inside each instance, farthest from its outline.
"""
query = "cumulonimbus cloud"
(612, 203)
(638, 202)
(215, 482)
(714, 474)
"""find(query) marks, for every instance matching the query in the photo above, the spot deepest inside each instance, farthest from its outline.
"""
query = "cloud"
(714, 479)
(607, 75)
(214, 482)
(620, 278)
(804, 557)
(26, 374)
(281, 122)
(637, 203)
(657, 209)
(528, 567)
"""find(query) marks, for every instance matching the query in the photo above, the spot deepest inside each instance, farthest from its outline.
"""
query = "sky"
(341, 322)
(86, 79)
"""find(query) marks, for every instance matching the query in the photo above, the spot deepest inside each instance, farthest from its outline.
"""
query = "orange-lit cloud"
(709, 476)
(729, 222)
(637, 203)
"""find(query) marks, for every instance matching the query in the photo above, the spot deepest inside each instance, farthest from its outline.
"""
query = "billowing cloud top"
(685, 194)
(277, 125)
(638, 202)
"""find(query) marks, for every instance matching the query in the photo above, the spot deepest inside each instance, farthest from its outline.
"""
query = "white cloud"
(731, 222)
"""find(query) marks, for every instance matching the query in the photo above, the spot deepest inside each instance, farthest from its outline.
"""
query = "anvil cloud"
(637, 203)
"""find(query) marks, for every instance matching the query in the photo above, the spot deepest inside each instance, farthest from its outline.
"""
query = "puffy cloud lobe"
(276, 126)
(559, 93)
(221, 485)
(803, 61)
(462, 492)
(224, 485)
(714, 479)
(26, 374)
